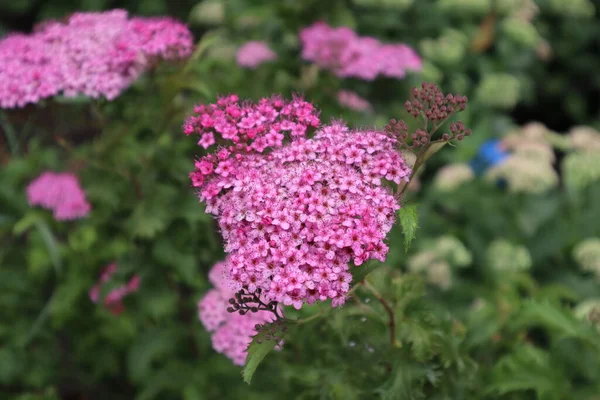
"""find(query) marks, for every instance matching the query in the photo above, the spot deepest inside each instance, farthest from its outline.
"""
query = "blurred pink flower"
(254, 53)
(59, 192)
(353, 101)
(114, 299)
(96, 54)
(346, 54)
(231, 332)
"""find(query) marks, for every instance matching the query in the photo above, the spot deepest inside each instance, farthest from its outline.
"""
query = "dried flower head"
(589, 311)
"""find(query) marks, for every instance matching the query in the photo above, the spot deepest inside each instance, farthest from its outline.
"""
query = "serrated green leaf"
(260, 347)
(551, 316)
(529, 368)
(409, 218)
(256, 353)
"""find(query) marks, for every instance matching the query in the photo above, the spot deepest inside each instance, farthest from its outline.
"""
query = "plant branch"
(388, 309)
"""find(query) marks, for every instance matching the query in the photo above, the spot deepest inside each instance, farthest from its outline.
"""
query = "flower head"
(254, 53)
(504, 256)
(295, 212)
(347, 55)
(97, 54)
(59, 192)
(587, 255)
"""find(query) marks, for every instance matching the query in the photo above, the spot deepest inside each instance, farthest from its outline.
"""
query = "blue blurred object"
(490, 153)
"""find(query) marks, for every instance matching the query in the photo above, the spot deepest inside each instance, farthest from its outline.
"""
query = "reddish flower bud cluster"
(92, 54)
(114, 299)
(434, 108)
(430, 102)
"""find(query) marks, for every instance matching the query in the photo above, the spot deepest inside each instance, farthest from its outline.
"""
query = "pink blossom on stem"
(59, 192)
(254, 53)
(296, 212)
(96, 54)
(346, 54)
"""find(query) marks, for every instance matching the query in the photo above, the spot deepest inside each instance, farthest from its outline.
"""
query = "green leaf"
(51, 245)
(552, 317)
(434, 148)
(260, 347)
(256, 353)
(28, 220)
(409, 218)
(529, 368)
(361, 271)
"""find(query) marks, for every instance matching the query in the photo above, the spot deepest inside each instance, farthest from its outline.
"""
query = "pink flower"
(302, 210)
(91, 54)
(231, 332)
(346, 54)
(114, 299)
(59, 192)
(353, 101)
(254, 53)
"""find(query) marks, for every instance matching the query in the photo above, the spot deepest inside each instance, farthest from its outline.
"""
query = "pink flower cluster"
(353, 101)
(254, 53)
(248, 128)
(91, 54)
(347, 55)
(231, 332)
(59, 192)
(114, 299)
(294, 219)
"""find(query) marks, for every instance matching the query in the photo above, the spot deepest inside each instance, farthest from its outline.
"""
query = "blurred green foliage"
(497, 330)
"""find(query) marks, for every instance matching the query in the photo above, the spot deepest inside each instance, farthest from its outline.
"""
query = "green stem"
(10, 133)
(388, 309)
(311, 318)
